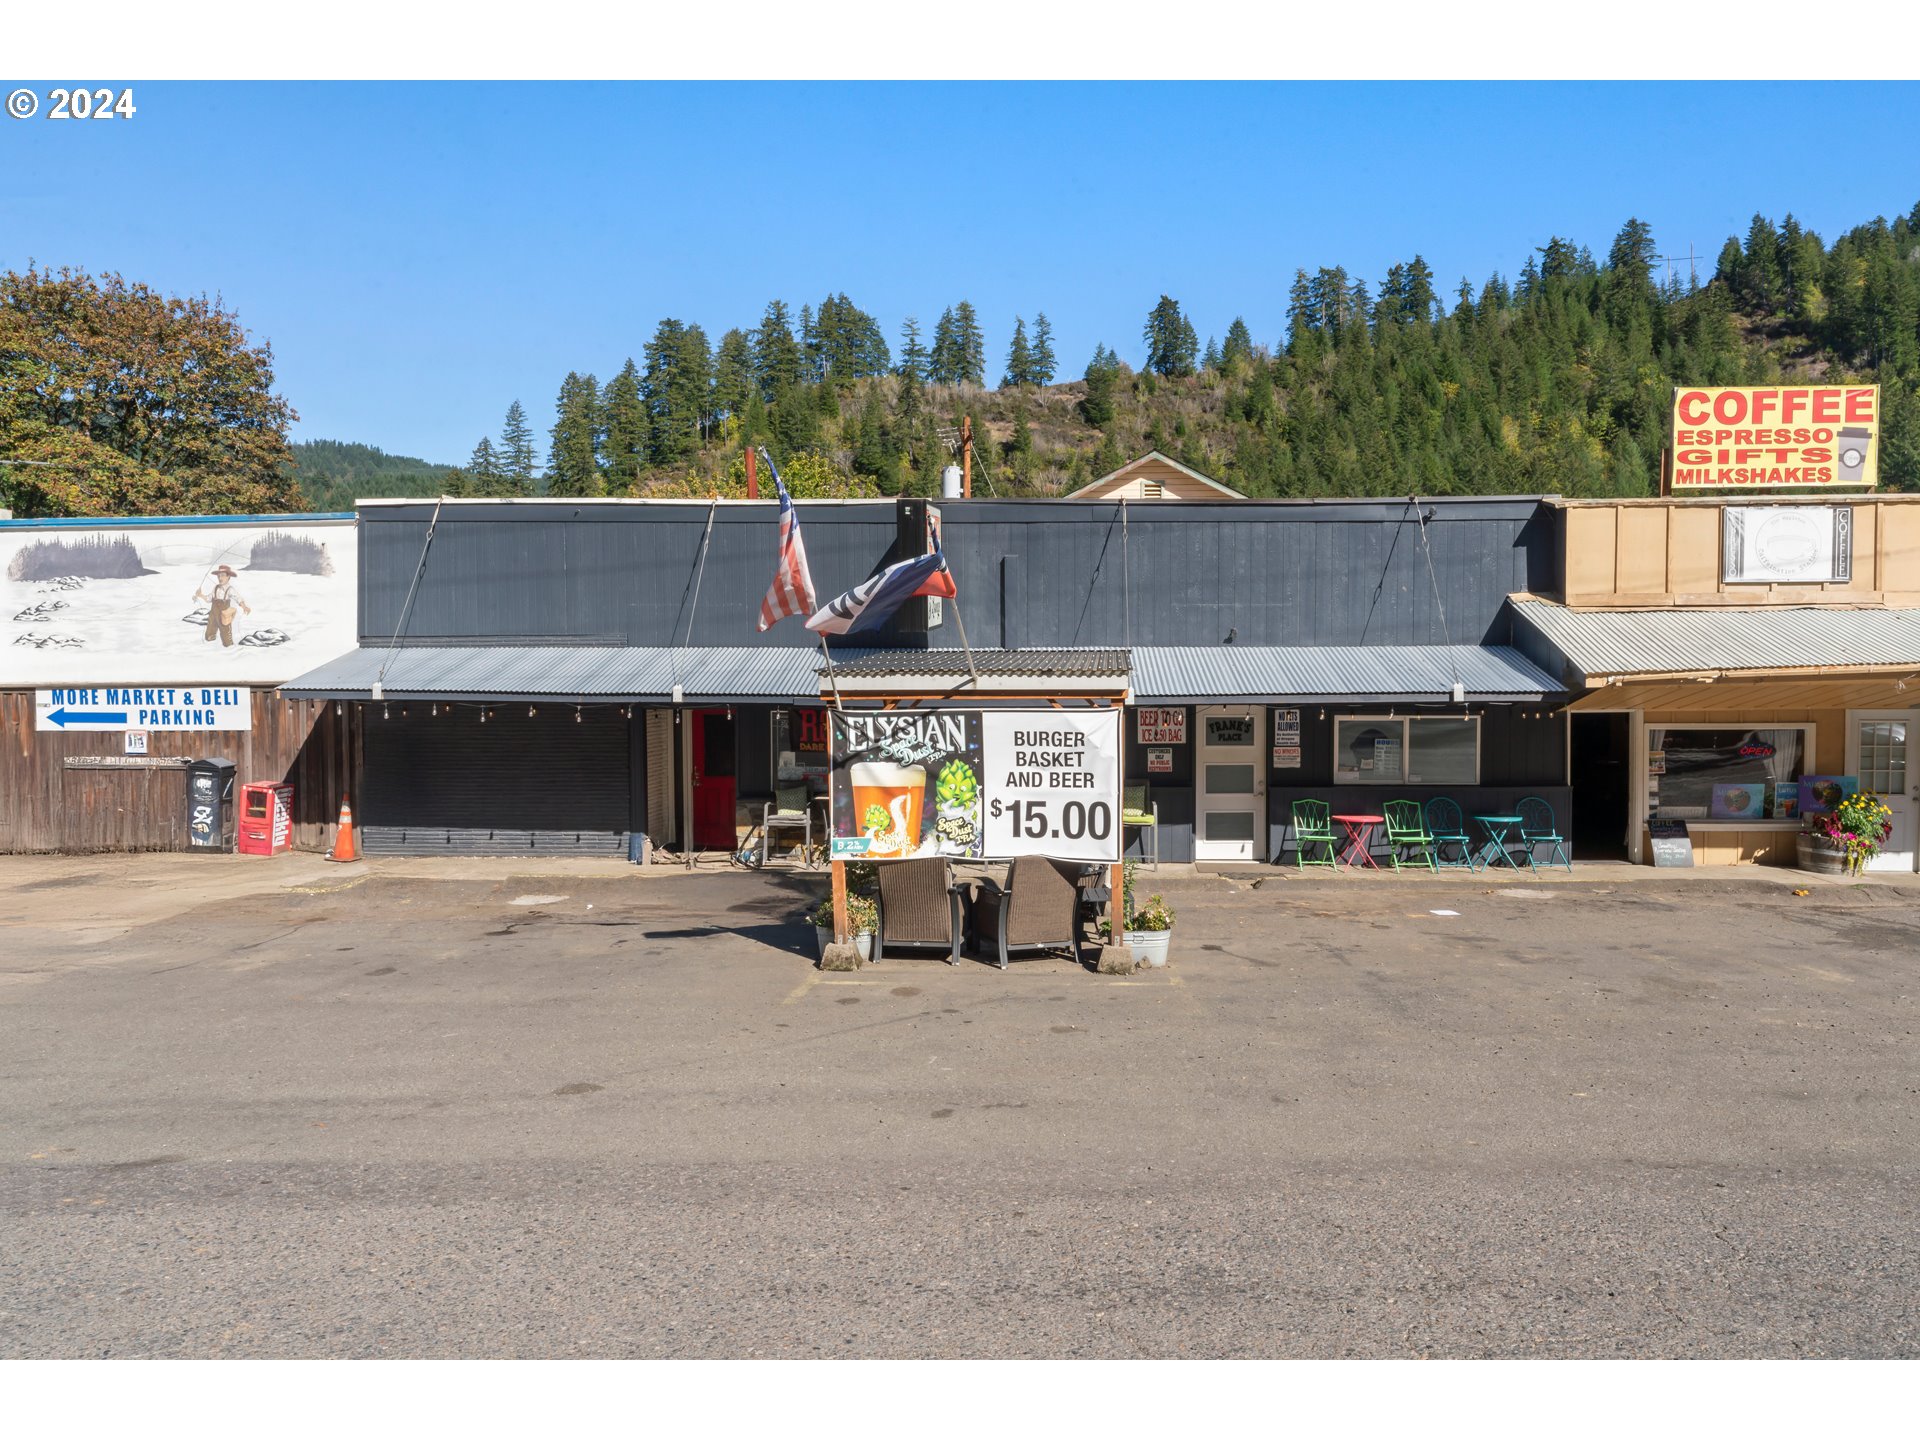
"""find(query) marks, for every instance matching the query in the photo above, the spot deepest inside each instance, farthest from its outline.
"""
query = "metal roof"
(563, 672)
(1345, 672)
(1717, 640)
(1038, 664)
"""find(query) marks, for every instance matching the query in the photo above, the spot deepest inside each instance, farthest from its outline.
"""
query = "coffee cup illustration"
(1853, 454)
(887, 799)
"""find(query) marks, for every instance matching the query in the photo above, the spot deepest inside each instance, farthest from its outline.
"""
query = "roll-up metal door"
(660, 796)
(513, 783)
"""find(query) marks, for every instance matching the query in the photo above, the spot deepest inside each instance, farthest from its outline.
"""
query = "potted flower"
(1844, 839)
(1149, 927)
(863, 916)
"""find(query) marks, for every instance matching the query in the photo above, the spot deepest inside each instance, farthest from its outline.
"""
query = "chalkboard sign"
(1671, 844)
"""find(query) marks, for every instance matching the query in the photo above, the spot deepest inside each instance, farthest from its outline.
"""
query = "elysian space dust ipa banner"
(1812, 436)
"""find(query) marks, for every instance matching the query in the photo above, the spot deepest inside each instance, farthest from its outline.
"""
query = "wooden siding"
(1130, 482)
(1667, 552)
(44, 806)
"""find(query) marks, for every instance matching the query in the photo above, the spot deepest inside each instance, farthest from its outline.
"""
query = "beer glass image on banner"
(905, 785)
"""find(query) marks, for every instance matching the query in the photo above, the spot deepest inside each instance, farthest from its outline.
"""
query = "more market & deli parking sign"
(976, 784)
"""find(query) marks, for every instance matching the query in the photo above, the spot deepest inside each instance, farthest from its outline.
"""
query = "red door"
(713, 784)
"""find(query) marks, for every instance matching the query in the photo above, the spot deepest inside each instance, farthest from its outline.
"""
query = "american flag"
(792, 590)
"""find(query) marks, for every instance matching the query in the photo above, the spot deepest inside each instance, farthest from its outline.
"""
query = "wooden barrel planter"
(1821, 856)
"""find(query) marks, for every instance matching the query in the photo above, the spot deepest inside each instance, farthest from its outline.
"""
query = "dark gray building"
(572, 675)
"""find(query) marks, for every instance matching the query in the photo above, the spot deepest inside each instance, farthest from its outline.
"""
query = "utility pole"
(966, 458)
(753, 476)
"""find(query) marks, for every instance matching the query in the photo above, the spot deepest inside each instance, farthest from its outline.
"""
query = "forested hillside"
(1555, 379)
(334, 473)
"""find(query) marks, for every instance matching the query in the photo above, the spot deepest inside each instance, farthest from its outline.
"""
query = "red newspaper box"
(266, 819)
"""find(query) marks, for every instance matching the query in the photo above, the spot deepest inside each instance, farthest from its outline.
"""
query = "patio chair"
(790, 809)
(1407, 833)
(1138, 810)
(1539, 827)
(1446, 825)
(1037, 909)
(1313, 825)
(918, 908)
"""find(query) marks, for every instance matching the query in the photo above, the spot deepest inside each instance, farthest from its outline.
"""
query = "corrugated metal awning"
(564, 672)
(1596, 646)
(1408, 673)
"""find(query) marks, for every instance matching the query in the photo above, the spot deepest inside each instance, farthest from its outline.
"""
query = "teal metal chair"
(1539, 827)
(1447, 826)
(1407, 834)
(1313, 825)
(1138, 810)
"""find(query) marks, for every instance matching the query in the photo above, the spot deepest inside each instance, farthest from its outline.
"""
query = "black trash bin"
(210, 805)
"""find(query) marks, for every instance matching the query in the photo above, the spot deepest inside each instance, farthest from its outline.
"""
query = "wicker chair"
(1037, 909)
(918, 908)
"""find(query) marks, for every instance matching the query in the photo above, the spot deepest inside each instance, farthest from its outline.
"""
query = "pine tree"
(1019, 358)
(1042, 363)
(733, 378)
(516, 449)
(676, 387)
(1238, 346)
(573, 463)
(777, 360)
(484, 477)
(971, 346)
(1171, 345)
(944, 361)
(1210, 357)
(1096, 406)
(628, 433)
(913, 355)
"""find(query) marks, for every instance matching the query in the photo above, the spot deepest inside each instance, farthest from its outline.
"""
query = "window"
(1730, 773)
(799, 744)
(1406, 750)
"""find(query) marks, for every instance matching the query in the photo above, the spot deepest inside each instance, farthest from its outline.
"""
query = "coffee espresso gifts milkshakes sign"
(976, 784)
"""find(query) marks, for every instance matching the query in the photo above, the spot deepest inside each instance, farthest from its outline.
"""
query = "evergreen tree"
(1041, 358)
(516, 449)
(676, 387)
(913, 355)
(1210, 357)
(777, 360)
(1238, 346)
(970, 346)
(1096, 406)
(573, 463)
(485, 477)
(944, 361)
(628, 431)
(1019, 358)
(733, 375)
(1170, 340)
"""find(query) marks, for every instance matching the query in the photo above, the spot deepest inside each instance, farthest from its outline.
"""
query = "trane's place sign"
(976, 784)
(150, 707)
(1805, 436)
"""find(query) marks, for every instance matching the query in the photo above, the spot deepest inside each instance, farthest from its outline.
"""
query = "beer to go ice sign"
(1749, 437)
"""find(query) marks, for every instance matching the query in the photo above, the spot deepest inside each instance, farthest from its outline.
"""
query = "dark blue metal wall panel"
(1029, 573)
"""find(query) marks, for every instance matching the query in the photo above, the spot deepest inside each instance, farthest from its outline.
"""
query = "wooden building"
(1154, 476)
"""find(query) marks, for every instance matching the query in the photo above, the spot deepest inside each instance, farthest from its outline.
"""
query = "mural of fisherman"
(223, 603)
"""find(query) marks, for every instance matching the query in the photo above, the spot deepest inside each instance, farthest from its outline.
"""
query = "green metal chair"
(1539, 827)
(1137, 809)
(1447, 826)
(1407, 832)
(1313, 825)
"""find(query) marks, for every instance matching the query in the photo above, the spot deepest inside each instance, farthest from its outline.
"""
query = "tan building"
(1728, 650)
(1155, 477)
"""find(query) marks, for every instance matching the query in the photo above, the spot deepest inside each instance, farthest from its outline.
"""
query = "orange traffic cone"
(343, 846)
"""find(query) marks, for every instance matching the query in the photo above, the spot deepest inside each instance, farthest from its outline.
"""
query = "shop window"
(1406, 750)
(799, 744)
(1725, 772)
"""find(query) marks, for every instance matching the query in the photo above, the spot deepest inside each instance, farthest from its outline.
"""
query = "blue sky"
(420, 255)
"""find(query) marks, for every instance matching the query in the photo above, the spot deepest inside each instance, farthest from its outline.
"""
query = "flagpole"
(832, 679)
(967, 649)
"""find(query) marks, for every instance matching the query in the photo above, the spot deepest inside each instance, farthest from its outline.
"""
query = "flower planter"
(864, 944)
(1150, 946)
(1820, 857)
(824, 935)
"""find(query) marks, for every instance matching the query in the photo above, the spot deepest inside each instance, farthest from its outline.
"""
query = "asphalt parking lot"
(385, 1113)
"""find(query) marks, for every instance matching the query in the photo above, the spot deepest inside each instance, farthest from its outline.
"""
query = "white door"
(1879, 749)
(1229, 782)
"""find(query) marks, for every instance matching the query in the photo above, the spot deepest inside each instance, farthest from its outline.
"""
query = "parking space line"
(813, 979)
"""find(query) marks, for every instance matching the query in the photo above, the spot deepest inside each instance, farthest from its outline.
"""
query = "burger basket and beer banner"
(976, 784)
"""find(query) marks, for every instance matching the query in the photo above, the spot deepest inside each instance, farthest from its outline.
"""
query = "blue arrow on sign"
(64, 717)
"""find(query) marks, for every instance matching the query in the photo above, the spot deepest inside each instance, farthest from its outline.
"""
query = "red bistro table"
(1359, 839)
